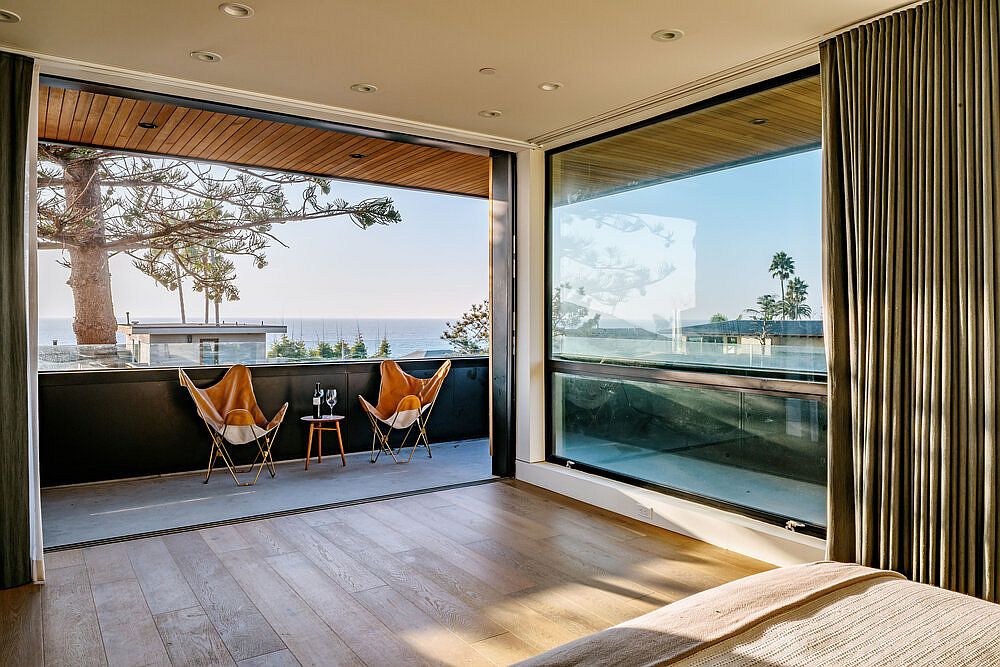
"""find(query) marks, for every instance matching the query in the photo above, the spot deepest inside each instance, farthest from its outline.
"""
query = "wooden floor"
(480, 575)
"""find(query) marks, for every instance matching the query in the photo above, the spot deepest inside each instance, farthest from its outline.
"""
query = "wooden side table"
(318, 426)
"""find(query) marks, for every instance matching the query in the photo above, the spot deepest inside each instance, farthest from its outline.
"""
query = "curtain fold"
(911, 286)
(16, 74)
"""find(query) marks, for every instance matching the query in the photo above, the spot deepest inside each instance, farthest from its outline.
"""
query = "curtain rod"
(874, 17)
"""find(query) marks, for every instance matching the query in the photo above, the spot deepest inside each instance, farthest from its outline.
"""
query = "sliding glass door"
(686, 336)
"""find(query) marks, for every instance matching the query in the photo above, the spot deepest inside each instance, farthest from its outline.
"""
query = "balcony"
(123, 451)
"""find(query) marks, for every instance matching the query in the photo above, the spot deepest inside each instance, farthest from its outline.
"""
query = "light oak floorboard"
(191, 639)
(455, 614)
(224, 538)
(505, 649)
(277, 659)
(239, 623)
(481, 575)
(162, 583)
(361, 630)
(127, 627)
(21, 625)
(72, 633)
(67, 558)
(307, 637)
(434, 642)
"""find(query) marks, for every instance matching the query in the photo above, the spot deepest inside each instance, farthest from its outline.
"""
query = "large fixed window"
(686, 336)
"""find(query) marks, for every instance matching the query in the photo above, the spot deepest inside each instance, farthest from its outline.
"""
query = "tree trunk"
(90, 277)
(216, 312)
(206, 305)
(180, 291)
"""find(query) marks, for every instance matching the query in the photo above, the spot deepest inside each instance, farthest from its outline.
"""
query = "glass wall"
(735, 447)
(688, 251)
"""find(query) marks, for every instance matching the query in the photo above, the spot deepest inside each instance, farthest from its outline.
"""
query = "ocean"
(405, 335)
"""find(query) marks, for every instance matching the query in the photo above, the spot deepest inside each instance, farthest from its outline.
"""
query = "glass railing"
(762, 452)
(801, 358)
(185, 355)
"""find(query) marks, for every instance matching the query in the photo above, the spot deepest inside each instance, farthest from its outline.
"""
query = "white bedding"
(815, 615)
(881, 622)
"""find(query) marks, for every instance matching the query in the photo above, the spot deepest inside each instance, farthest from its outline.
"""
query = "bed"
(821, 615)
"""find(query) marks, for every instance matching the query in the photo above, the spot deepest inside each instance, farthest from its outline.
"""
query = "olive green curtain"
(15, 98)
(912, 293)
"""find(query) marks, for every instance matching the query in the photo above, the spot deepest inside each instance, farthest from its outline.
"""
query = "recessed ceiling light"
(206, 56)
(364, 88)
(758, 121)
(491, 113)
(9, 17)
(667, 35)
(549, 86)
(236, 10)
(146, 125)
(357, 156)
(489, 71)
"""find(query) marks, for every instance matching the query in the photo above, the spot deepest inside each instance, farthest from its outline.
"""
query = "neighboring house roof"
(177, 328)
(803, 328)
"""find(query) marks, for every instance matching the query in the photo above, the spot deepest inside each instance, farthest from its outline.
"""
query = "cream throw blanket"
(820, 615)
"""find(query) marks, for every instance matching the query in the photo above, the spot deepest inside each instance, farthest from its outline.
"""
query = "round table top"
(324, 418)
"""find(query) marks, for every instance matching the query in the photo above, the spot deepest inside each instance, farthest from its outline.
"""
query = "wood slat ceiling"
(697, 142)
(107, 121)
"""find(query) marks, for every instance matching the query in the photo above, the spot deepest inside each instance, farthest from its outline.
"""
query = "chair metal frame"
(382, 430)
(219, 450)
(381, 438)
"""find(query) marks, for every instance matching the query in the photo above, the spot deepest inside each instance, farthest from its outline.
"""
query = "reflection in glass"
(694, 240)
(693, 243)
(751, 450)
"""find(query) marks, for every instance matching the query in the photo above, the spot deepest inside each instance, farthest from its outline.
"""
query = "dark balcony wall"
(103, 425)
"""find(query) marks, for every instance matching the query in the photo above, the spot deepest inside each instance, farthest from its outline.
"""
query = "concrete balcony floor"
(88, 512)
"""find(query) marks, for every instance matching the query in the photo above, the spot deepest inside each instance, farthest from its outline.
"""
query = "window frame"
(786, 384)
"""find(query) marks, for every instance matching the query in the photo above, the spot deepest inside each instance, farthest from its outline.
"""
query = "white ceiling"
(424, 55)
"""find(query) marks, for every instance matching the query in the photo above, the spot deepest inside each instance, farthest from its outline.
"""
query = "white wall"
(530, 316)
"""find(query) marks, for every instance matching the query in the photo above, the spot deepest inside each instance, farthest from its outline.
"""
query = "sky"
(434, 264)
(724, 227)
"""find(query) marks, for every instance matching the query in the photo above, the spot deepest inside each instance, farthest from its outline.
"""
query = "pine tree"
(94, 204)
(289, 348)
(471, 333)
(384, 351)
(359, 350)
(341, 350)
(325, 351)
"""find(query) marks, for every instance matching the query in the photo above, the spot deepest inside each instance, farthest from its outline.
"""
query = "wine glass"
(331, 399)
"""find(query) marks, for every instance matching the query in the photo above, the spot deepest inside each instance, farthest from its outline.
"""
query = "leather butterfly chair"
(404, 403)
(231, 415)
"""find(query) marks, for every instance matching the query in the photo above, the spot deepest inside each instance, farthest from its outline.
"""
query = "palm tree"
(794, 304)
(782, 268)
(767, 308)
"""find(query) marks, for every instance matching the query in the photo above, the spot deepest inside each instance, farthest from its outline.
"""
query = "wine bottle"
(317, 402)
